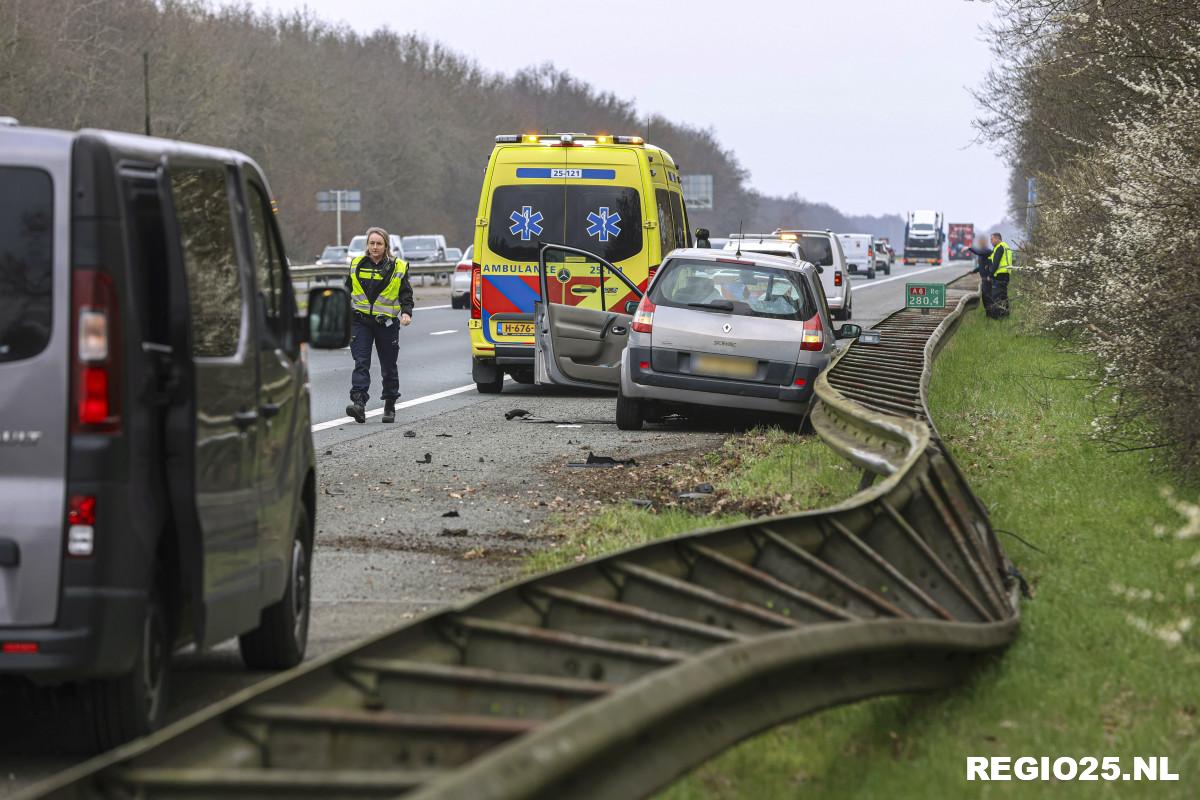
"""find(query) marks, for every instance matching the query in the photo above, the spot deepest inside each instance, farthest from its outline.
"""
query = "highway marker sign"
(925, 295)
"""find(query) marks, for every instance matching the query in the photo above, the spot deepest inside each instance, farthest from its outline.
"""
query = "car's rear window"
(740, 289)
(605, 220)
(358, 243)
(419, 243)
(26, 266)
(818, 250)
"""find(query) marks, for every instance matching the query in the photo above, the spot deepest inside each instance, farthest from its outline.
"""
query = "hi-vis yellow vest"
(1004, 261)
(388, 302)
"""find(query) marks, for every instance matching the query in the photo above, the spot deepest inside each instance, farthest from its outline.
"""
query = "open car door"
(581, 332)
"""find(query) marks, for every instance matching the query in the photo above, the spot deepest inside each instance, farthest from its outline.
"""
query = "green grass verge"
(761, 471)
(1081, 679)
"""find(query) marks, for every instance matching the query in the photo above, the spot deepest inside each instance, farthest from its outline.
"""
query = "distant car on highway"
(883, 256)
(158, 486)
(460, 281)
(426, 247)
(334, 255)
(860, 253)
(823, 249)
(453, 255)
(748, 332)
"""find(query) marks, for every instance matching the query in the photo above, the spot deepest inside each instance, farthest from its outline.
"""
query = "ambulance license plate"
(514, 328)
(724, 366)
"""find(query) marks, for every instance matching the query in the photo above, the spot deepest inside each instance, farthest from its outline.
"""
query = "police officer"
(983, 265)
(382, 298)
(1001, 263)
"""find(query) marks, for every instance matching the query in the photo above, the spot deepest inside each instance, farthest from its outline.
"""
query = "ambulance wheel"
(487, 376)
(629, 413)
(133, 704)
(281, 637)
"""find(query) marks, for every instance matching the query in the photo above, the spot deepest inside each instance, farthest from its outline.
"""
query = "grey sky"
(863, 104)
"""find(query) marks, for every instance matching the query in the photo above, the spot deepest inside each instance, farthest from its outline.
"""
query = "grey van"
(157, 483)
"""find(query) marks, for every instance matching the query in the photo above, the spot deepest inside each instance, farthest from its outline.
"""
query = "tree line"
(405, 120)
(1099, 102)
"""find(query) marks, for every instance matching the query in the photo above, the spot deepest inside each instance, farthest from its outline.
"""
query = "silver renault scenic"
(727, 329)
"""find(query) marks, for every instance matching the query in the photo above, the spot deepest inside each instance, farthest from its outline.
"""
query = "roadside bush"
(1101, 102)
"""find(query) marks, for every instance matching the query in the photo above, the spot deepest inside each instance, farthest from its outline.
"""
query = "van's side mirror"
(328, 318)
(631, 306)
(848, 330)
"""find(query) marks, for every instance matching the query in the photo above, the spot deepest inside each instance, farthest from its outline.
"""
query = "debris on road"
(450, 514)
(410, 434)
(594, 460)
(454, 532)
(517, 413)
(427, 460)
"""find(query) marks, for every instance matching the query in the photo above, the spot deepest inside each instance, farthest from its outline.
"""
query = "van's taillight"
(81, 525)
(95, 356)
(870, 252)
(814, 336)
(643, 318)
(476, 292)
(837, 278)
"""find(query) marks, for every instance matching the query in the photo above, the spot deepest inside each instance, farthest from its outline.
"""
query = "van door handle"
(269, 410)
(244, 419)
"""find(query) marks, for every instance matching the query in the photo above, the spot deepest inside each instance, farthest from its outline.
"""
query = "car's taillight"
(837, 278)
(476, 292)
(95, 355)
(643, 318)
(464, 266)
(813, 336)
(81, 525)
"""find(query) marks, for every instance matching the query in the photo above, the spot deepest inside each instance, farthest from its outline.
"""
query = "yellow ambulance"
(614, 197)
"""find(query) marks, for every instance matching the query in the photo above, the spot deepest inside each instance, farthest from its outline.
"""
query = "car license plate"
(514, 328)
(724, 366)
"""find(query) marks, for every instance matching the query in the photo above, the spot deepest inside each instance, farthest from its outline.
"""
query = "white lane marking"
(429, 398)
(873, 284)
(430, 308)
(442, 333)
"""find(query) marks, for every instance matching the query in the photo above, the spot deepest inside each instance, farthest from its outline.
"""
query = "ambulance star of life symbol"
(603, 225)
(563, 275)
(727, 327)
(526, 222)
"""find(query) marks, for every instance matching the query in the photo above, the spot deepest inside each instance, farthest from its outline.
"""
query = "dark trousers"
(385, 339)
(999, 293)
(985, 291)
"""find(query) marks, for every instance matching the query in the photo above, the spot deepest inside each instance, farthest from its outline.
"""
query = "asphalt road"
(399, 532)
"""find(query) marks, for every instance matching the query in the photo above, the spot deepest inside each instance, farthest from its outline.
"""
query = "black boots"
(389, 411)
(357, 411)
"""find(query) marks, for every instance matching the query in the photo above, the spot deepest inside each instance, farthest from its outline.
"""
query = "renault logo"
(727, 327)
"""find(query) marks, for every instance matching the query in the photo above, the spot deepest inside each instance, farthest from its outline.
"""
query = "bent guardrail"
(610, 678)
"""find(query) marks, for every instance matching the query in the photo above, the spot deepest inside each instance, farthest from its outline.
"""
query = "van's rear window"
(26, 266)
(605, 220)
(817, 250)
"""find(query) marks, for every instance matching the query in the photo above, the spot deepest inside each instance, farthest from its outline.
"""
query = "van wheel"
(491, 387)
(629, 413)
(281, 637)
(134, 704)
(871, 274)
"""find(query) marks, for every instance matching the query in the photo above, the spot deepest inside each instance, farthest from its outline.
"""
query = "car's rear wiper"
(715, 305)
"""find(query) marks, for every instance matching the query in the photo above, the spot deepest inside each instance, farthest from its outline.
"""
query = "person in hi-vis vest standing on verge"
(1001, 263)
(382, 299)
